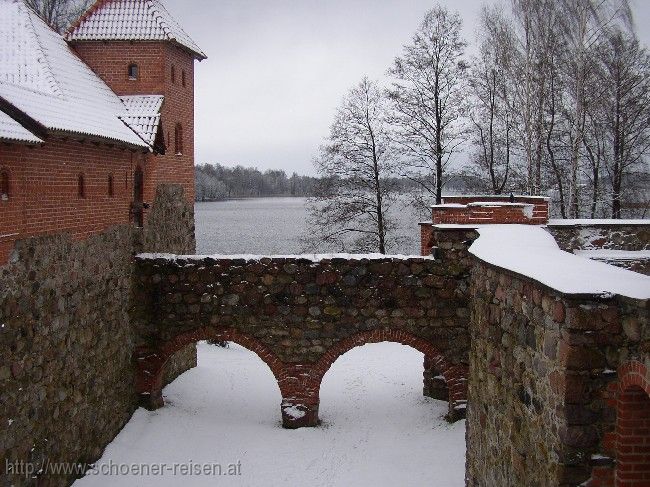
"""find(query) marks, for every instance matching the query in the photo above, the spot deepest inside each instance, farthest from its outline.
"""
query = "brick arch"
(634, 373)
(633, 425)
(150, 362)
(455, 375)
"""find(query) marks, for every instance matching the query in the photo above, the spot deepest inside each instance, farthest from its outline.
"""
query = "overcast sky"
(277, 69)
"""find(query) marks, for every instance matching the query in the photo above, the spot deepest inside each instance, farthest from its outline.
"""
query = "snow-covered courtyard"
(377, 428)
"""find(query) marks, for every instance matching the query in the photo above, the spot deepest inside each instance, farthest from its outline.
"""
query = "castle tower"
(145, 57)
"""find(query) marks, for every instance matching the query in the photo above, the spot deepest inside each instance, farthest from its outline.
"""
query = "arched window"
(4, 185)
(173, 74)
(81, 186)
(183, 77)
(178, 139)
(134, 72)
(110, 185)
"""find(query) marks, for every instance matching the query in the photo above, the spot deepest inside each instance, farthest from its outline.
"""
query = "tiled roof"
(11, 130)
(143, 115)
(41, 77)
(133, 20)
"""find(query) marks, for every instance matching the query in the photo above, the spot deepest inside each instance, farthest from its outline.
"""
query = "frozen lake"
(272, 226)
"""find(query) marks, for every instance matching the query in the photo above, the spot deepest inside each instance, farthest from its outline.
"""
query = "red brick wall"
(178, 108)
(467, 210)
(633, 427)
(110, 60)
(540, 204)
(44, 189)
(426, 238)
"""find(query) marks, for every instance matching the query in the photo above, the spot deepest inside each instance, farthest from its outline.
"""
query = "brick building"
(92, 123)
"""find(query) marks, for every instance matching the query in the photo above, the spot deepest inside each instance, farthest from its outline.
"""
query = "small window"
(134, 72)
(110, 186)
(183, 77)
(178, 139)
(81, 186)
(173, 74)
(4, 186)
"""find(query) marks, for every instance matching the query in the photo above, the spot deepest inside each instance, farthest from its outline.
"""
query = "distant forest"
(215, 182)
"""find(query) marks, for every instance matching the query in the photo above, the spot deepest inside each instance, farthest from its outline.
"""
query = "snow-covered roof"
(531, 251)
(131, 20)
(42, 78)
(11, 130)
(143, 115)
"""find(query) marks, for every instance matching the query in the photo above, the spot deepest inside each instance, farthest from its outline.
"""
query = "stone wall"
(299, 315)
(585, 235)
(66, 363)
(67, 344)
(542, 369)
(170, 223)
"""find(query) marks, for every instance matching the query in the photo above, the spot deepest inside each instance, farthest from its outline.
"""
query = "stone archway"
(633, 426)
(150, 362)
(299, 383)
(306, 406)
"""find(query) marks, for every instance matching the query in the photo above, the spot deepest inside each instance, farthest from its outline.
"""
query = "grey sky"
(277, 69)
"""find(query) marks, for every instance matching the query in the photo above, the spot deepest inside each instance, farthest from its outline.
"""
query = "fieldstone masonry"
(545, 383)
(67, 346)
(300, 315)
(556, 387)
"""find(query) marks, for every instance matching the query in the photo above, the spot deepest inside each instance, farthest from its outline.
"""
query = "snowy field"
(378, 429)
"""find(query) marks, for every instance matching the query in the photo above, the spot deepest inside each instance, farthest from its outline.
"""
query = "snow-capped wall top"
(532, 252)
(586, 222)
(255, 257)
(132, 20)
(41, 77)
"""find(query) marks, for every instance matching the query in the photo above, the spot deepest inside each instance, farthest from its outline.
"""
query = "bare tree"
(59, 14)
(492, 111)
(584, 24)
(428, 96)
(625, 109)
(350, 210)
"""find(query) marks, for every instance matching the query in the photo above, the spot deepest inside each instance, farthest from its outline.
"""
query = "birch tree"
(625, 110)
(584, 24)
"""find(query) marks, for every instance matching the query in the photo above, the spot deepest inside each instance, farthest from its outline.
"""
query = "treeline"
(215, 182)
(560, 105)
(556, 103)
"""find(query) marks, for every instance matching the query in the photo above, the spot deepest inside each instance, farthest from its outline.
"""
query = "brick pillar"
(151, 401)
(435, 385)
(300, 387)
(426, 238)
(299, 413)
(633, 432)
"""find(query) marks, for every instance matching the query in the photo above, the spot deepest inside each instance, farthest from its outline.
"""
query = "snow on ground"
(378, 429)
